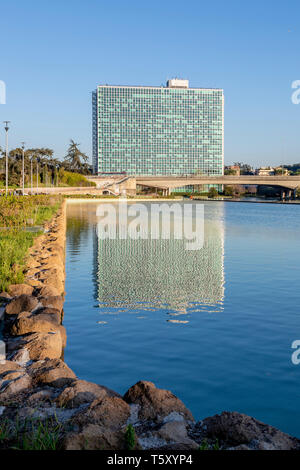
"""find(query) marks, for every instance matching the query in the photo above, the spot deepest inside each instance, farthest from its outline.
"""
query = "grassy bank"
(16, 215)
(68, 178)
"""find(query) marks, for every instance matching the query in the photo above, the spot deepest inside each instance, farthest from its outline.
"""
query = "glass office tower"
(172, 130)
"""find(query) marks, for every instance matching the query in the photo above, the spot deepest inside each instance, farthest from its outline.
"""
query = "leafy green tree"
(228, 191)
(75, 160)
(45, 167)
(212, 193)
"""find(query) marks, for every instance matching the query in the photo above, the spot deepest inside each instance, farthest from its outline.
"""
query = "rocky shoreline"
(37, 386)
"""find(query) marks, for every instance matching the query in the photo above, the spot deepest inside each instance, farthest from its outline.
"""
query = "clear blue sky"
(54, 53)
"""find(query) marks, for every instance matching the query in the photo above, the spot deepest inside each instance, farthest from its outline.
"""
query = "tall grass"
(17, 213)
(30, 434)
(20, 211)
(13, 248)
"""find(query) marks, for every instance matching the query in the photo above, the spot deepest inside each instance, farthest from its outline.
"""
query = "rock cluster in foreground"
(92, 416)
(37, 386)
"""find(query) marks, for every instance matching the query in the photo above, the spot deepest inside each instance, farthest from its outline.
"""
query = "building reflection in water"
(146, 275)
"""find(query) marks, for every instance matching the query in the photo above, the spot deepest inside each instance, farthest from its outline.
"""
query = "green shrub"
(130, 438)
(68, 178)
(228, 191)
(212, 193)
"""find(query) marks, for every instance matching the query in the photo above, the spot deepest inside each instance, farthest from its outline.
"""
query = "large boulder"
(15, 290)
(53, 301)
(175, 431)
(172, 433)
(40, 397)
(40, 345)
(27, 322)
(81, 391)
(48, 291)
(234, 430)
(110, 412)
(63, 334)
(53, 279)
(34, 283)
(154, 403)
(52, 372)
(9, 366)
(57, 249)
(5, 297)
(20, 356)
(94, 437)
(23, 303)
(55, 272)
(32, 263)
(53, 261)
(13, 383)
(51, 312)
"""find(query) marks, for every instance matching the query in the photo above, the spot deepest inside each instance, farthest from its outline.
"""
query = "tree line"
(41, 165)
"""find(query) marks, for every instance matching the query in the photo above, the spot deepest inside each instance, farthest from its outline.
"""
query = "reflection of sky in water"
(235, 349)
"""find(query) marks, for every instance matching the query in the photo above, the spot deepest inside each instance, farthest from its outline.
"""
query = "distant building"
(264, 171)
(233, 170)
(171, 130)
(279, 170)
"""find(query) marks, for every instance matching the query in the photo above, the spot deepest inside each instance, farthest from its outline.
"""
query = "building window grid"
(161, 130)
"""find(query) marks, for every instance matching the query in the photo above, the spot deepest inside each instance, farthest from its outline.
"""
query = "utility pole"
(23, 168)
(6, 156)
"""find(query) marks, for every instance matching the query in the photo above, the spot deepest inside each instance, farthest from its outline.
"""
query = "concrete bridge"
(117, 185)
(287, 184)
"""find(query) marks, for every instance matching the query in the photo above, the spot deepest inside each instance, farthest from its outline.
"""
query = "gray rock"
(234, 429)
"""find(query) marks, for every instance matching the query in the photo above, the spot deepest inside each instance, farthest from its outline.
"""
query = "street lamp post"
(37, 175)
(31, 182)
(6, 156)
(23, 168)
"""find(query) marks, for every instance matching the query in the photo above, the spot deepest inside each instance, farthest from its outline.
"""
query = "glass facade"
(158, 130)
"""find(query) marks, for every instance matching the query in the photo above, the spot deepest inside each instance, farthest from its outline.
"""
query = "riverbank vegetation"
(30, 434)
(68, 178)
(21, 220)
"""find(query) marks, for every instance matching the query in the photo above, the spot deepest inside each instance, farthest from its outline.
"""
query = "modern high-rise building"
(171, 130)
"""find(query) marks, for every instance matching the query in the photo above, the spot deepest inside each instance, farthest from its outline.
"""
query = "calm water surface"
(215, 326)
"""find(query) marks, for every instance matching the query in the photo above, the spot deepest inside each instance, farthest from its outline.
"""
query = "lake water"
(214, 326)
